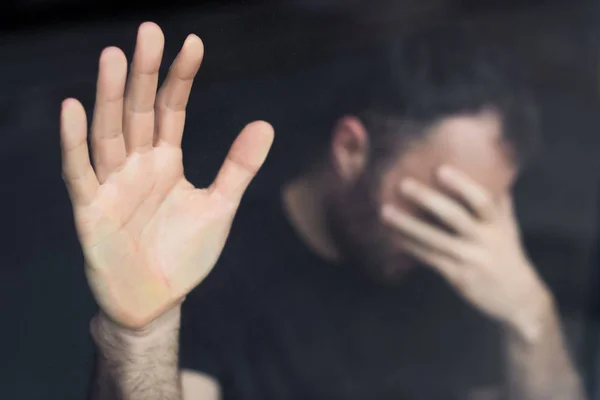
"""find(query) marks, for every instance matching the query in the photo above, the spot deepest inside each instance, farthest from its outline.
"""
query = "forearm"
(539, 364)
(137, 365)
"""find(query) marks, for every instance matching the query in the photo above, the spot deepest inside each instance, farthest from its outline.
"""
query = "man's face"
(472, 143)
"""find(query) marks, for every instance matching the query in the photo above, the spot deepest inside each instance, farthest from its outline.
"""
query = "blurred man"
(391, 269)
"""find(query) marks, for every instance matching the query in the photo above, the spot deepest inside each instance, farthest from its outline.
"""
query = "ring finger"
(443, 208)
(423, 233)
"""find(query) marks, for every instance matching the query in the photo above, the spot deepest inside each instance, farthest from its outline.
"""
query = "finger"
(174, 94)
(77, 170)
(141, 89)
(444, 265)
(108, 145)
(442, 207)
(476, 197)
(246, 156)
(423, 233)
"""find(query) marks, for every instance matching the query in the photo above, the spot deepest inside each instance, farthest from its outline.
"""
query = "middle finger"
(141, 89)
(423, 233)
(448, 211)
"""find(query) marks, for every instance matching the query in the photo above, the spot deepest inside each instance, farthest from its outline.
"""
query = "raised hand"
(148, 235)
(483, 257)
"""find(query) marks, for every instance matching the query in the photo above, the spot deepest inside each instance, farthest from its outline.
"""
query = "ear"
(349, 148)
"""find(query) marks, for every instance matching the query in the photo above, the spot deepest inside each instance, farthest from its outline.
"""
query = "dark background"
(277, 61)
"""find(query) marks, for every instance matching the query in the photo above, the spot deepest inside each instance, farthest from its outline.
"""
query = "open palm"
(148, 235)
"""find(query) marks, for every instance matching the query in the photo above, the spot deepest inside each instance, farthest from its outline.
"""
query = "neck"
(305, 202)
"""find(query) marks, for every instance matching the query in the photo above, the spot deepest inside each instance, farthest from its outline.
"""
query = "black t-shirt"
(274, 321)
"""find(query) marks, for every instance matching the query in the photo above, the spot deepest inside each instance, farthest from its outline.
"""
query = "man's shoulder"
(257, 206)
(248, 254)
(258, 216)
(252, 238)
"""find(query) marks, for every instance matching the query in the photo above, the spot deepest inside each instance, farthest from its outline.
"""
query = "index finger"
(173, 96)
(475, 196)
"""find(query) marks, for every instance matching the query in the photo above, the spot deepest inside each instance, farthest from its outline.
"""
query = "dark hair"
(436, 73)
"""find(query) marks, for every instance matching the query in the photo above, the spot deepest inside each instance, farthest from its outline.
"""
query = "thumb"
(507, 211)
(246, 155)
(506, 207)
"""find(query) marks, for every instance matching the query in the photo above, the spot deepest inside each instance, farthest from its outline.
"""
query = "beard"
(365, 244)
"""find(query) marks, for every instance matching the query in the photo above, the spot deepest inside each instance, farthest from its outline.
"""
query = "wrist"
(535, 318)
(108, 333)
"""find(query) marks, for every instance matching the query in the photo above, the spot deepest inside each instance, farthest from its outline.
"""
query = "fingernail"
(190, 39)
(67, 113)
(66, 103)
(387, 210)
(445, 172)
(407, 186)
